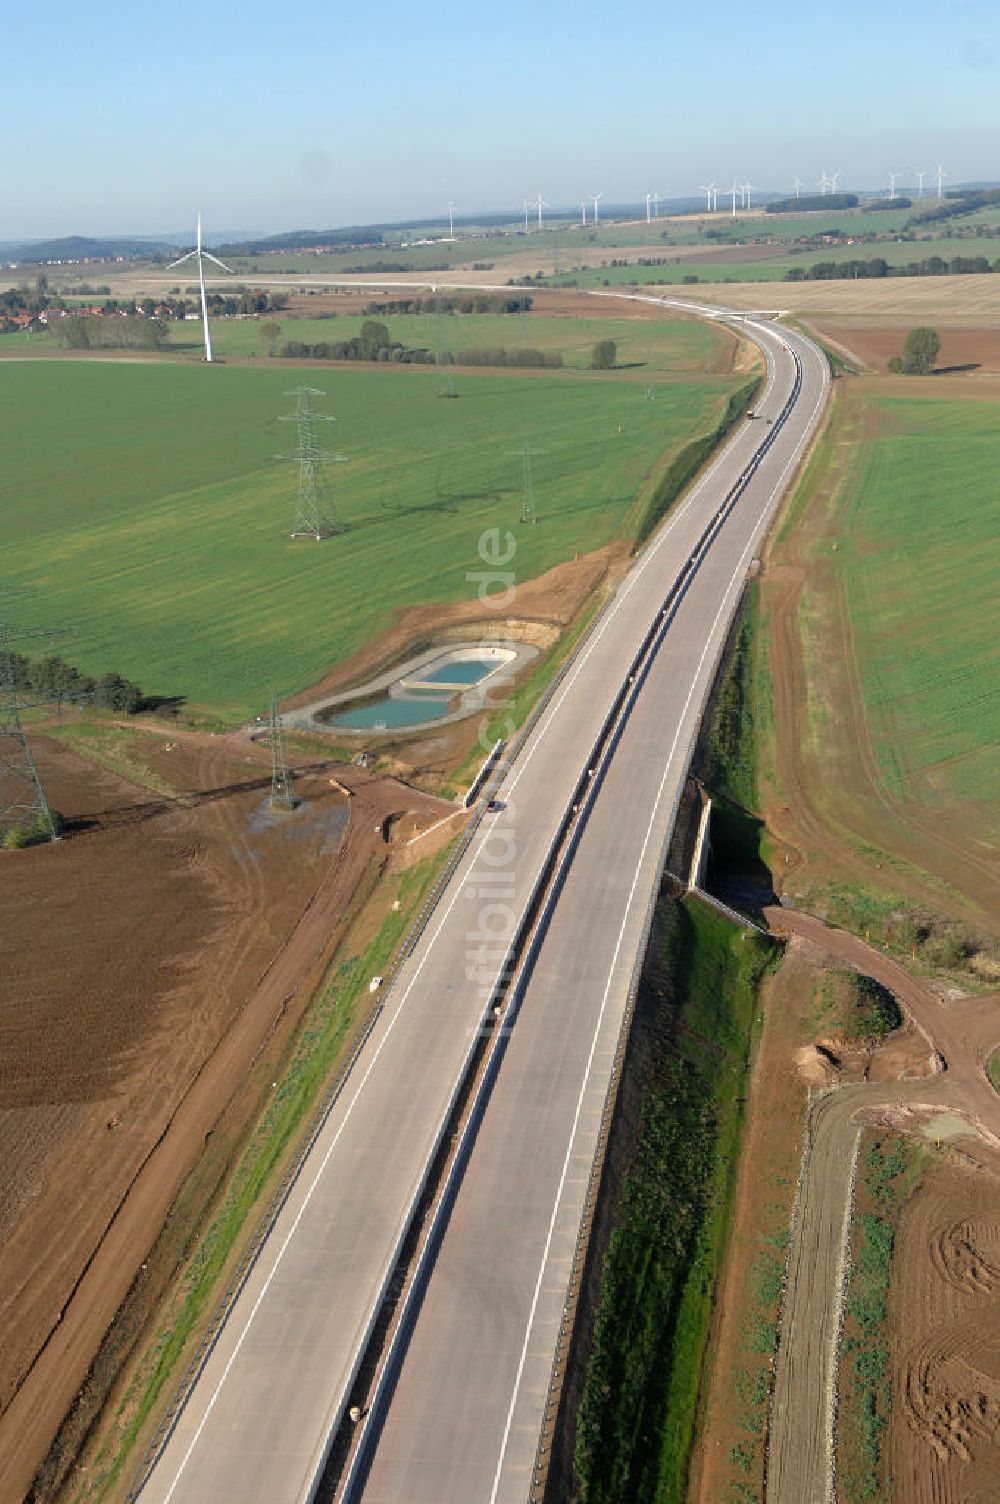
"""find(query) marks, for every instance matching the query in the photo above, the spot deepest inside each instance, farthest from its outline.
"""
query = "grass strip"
(636, 1420)
(888, 1179)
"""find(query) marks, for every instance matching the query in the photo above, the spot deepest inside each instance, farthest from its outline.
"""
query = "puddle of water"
(945, 1126)
(304, 823)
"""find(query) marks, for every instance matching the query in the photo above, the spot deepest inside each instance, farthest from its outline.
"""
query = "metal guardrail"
(548, 884)
(322, 1112)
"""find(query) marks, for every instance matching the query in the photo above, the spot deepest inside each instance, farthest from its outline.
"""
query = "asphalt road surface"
(464, 1420)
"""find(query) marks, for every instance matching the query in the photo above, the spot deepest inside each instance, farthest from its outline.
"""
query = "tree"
(604, 356)
(919, 353)
(269, 336)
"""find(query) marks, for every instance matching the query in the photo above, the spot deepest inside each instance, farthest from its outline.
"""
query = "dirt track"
(178, 938)
(960, 1036)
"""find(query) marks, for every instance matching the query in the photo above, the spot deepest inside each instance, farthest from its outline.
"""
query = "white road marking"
(741, 566)
(622, 596)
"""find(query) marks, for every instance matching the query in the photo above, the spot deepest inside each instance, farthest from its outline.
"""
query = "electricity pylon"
(282, 794)
(444, 361)
(315, 516)
(23, 804)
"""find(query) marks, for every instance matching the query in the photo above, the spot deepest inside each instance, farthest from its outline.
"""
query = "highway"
(463, 1420)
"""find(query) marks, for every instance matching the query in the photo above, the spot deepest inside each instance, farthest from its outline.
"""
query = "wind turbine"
(892, 183)
(451, 218)
(202, 256)
(941, 175)
(797, 183)
(583, 211)
(525, 205)
(541, 204)
(823, 183)
(734, 196)
(748, 189)
(708, 189)
(597, 212)
(920, 181)
(649, 200)
(656, 206)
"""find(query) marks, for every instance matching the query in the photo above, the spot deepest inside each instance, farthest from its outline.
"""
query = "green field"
(920, 563)
(670, 348)
(667, 347)
(142, 506)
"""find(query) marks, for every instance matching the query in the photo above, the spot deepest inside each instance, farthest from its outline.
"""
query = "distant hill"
(297, 240)
(81, 248)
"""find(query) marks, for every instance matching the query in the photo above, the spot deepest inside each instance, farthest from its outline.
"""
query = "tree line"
(90, 331)
(52, 678)
(464, 303)
(375, 343)
(877, 266)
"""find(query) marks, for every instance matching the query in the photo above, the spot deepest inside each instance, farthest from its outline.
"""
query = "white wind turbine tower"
(649, 212)
(451, 218)
(708, 189)
(583, 211)
(797, 183)
(748, 189)
(920, 180)
(941, 175)
(597, 211)
(823, 183)
(656, 206)
(540, 204)
(202, 256)
(835, 179)
(733, 190)
(525, 205)
(892, 183)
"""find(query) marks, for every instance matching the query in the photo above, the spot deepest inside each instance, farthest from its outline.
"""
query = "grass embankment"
(318, 1049)
(993, 1070)
(143, 505)
(727, 761)
(636, 1421)
(889, 1177)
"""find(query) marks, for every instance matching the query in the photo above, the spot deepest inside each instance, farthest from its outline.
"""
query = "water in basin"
(464, 671)
(392, 713)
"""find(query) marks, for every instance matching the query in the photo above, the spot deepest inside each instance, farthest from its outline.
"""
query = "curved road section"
(468, 1392)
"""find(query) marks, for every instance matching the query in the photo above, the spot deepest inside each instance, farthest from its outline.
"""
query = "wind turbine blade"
(207, 256)
(186, 257)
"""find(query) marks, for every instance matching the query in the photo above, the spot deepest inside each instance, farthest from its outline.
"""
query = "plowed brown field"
(944, 1438)
(145, 960)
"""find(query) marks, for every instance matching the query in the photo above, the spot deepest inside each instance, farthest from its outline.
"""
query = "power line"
(315, 515)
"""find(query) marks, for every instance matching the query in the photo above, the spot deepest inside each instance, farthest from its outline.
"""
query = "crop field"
(143, 508)
(919, 560)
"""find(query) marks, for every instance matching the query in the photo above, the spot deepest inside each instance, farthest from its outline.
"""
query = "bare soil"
(963, 348)
(944, 1438)
(147, 959)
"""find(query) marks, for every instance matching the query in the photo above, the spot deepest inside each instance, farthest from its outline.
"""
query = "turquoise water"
(467, 671)
(392, 713)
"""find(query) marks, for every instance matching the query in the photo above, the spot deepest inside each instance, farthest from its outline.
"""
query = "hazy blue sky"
(119, 118)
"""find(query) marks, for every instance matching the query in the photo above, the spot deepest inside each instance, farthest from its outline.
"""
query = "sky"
(123, 119)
